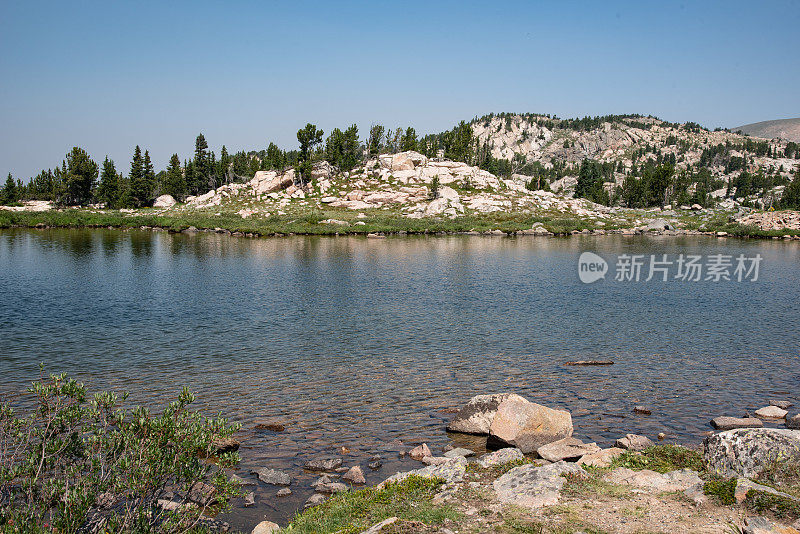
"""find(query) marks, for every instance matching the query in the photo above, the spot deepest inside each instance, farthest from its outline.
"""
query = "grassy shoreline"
(309, 223)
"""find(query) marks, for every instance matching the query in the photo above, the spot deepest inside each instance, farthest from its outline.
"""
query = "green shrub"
(722, 489)
(78, 463)
(760, 502)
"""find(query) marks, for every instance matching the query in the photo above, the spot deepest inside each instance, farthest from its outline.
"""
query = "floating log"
(591, 362)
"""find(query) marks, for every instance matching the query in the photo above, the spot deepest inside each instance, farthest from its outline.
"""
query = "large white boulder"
(164, 201)
(476, 416)
(527, 425)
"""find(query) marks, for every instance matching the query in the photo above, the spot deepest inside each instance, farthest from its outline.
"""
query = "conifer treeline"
(652, 180)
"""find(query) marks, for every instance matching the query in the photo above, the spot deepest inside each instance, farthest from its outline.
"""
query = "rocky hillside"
(545, 155)
(406, 184)
(628, 141)
(788, 129)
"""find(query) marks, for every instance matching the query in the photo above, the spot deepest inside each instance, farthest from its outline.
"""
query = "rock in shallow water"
(272, 476)
(477, 415)
(793, 422)
(314, 500)
(527, 425)
(355, 475)
(420, 451)
(323, 464)
(729, 423)
(771, 412)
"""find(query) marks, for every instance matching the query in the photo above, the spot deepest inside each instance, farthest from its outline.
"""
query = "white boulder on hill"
(164, 201)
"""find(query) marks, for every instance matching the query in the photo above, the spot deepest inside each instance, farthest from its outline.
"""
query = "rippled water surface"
(357, 342)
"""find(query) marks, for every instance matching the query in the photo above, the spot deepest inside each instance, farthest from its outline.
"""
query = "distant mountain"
(788, 129)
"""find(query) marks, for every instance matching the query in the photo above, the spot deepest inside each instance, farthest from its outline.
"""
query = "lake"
(358, 342)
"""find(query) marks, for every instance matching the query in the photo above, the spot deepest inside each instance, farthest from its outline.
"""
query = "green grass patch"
(661, 458)
(353, 512)
(305, 221)
(723, 490)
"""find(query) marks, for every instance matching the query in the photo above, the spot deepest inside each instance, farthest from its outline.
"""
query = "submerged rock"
(223, 445)
(274, 426)
(527, 425)
(323, 464)
(535, 487)
(202, 493)
(747, 451)
(420, 451)
(355, 475)
(268, 475)
(793, 422)
(314, 500)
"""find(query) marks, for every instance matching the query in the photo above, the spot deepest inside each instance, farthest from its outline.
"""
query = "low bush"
(75, 463)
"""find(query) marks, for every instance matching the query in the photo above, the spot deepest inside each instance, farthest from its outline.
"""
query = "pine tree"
(375, 143)
(201, 167)
(137, 187)
(80, 174)
(9, 194)
(409, 141)
(223, 167)
(275, 158)
(791, 194)
(149, 178)
(108, 192)
(308, 137)
(174, 183)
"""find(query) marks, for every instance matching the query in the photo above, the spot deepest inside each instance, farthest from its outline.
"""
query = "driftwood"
(591, 362)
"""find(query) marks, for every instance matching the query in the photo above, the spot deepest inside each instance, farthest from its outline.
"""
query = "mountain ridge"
(788, 129)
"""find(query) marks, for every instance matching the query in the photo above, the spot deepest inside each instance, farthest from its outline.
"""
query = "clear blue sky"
(109, 75)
